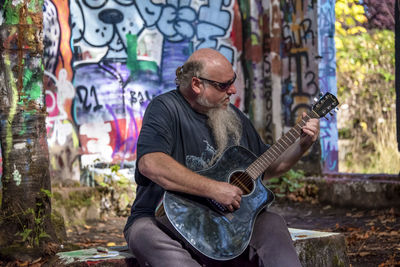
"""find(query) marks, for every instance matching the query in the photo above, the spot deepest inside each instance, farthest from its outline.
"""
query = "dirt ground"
(372, 236)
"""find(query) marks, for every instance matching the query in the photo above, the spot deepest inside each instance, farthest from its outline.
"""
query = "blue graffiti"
(176, 21)
(327, 79)
(214, 22)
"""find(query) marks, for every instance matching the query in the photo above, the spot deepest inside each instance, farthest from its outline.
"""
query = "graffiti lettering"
(312, 83)
(267, 84)
(84, 100)
(297, 57)
(296, 36)
(138, 96)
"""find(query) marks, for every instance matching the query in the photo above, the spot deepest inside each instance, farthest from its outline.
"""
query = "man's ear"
(196, 85)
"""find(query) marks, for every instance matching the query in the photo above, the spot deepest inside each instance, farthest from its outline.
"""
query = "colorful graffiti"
(105, 60)
(119, 56)
(327, 82)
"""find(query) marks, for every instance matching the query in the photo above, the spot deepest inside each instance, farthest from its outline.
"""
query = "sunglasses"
(220, 86)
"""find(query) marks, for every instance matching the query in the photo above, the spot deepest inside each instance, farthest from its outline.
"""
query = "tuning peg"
(315, 99)
(336, 109)
(320, 94)
(331, 113)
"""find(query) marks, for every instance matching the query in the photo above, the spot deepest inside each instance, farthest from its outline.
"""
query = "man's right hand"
(228, 195)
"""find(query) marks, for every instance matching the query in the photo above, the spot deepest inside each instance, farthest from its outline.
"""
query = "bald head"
(205, 62)
(210, 59)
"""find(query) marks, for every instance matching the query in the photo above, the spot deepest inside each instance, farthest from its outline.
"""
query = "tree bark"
(25, 215)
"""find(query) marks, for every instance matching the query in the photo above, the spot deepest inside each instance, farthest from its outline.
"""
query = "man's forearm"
(171, 175)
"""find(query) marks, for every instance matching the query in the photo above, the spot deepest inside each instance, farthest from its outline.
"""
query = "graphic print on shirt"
(196, 163)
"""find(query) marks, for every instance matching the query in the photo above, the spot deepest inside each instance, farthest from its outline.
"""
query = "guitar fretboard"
(277, 149)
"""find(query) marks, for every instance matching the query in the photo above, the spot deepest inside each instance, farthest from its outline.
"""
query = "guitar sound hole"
(243, 181)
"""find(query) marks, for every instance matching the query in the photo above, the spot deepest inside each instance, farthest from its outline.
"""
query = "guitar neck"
(277, 149)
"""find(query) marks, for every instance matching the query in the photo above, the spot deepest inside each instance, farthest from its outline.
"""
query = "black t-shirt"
(171, 126)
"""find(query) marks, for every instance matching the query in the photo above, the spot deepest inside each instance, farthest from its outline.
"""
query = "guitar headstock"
(325, 104)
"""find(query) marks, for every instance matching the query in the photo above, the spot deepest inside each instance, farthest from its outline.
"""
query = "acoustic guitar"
(208, 226)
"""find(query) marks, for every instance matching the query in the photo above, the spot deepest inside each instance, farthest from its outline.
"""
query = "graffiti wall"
(106, 59)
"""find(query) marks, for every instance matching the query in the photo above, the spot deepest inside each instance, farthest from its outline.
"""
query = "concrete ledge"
(358, 190)
(314, 249)
(320, 248)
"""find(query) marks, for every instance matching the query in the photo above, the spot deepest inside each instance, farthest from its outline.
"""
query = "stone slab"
(317, 248)
(358, 190)
(313, 247)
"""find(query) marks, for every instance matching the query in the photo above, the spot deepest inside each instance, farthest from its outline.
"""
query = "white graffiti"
(61, 127)
(98, 144)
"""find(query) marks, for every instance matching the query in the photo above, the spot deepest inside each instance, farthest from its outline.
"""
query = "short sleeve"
(157, 132)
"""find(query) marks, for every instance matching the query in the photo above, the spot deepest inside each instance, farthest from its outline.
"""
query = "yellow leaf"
(363, 125)
(110, 244)
(339, 43)
(360, 18)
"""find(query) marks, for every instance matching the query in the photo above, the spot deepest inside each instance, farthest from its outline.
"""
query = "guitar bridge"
(217, 206)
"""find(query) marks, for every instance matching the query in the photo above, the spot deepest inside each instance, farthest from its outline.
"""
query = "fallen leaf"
(36, 261)
(110, 244)
(357, 215)
(364, 253)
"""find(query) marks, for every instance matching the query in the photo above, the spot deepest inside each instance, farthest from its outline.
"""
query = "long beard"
(225, 125)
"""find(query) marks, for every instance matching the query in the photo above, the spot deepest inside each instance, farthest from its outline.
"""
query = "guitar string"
(257, 164)
(265, 159)
(262, 160)
(247, 175)
(245, 178)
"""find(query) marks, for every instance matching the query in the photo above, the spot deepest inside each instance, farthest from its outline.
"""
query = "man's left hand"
(310, 131)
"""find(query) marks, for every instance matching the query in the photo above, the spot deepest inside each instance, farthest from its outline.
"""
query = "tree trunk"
(25, 215)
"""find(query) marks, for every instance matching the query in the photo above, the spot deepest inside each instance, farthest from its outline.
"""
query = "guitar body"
(220, 235)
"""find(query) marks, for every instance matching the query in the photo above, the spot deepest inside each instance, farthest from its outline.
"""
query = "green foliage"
(115, 179)
(79, 199)
(115, 168)
(365, 75)
(287, 183)
(46, 192)
(32, 234)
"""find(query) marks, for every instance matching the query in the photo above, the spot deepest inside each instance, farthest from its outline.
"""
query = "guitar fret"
(283, 148)
(294, 137)
(250, 172)
(298, 131)
(273, 151)
(259, 163)
(283, 140)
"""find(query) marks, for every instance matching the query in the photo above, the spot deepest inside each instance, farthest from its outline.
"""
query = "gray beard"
(225, 125)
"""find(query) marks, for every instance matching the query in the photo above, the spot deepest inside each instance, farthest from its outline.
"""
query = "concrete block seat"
(313, 247)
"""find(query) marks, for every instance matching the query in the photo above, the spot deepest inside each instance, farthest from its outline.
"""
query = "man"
(186, 130)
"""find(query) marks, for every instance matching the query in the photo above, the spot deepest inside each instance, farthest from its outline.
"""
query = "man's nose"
(231, 90)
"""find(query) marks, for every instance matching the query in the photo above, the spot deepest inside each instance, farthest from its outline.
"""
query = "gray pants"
(271, 242)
